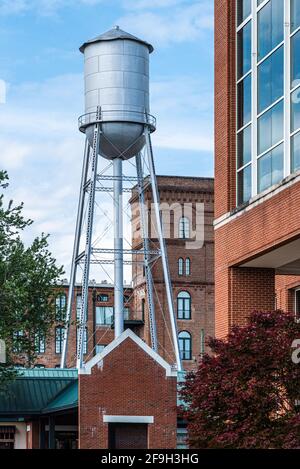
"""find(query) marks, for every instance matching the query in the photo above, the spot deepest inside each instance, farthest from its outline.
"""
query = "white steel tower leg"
(165, 264)
(118, 246)
(75, 253)
(149, 278)
(88, 246)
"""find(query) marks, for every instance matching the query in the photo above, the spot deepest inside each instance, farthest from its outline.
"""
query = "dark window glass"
(270, 27)
(244, 147)
(270, 128)
(295, 109)
(295, 60)
(244, 101)
(184, 305)
(185, 345)
(244, 185)
(295, 14)
(243, 10)
(270, 80)
(270, 168)
(296, 152)
(244, 50)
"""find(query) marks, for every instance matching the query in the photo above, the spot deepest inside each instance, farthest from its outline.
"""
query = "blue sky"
(40, 145)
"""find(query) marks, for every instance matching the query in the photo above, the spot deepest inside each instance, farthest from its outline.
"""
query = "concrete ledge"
(127, 419)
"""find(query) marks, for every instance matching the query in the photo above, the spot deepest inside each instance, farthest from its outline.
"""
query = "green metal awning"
(37, 391)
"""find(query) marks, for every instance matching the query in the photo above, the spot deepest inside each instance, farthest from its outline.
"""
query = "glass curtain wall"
(268, 109)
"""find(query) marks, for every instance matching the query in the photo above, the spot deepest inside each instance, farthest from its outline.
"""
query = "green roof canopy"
(39, 391)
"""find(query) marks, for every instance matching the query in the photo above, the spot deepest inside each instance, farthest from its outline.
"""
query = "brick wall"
(200, 284)
(127, 382)
(256, 231)
(225, 114)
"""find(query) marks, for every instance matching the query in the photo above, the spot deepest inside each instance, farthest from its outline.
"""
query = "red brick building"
(257, 151)
(192, 275)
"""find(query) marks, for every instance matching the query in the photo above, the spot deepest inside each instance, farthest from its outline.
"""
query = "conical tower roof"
(113, 35)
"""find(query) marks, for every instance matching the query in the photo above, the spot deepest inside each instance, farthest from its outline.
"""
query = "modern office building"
(257, 155)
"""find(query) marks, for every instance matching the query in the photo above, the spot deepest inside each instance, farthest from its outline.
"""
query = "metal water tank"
(117, 83)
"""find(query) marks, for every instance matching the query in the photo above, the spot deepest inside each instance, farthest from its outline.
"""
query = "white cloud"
(181, 24)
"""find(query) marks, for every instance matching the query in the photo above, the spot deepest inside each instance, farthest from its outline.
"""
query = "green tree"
(28, 275)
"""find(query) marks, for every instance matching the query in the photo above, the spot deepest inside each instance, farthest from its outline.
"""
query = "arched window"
(60, 306)
(188, 266)
(185, 345)
(184, 305)
(184, 228)
(180, 266)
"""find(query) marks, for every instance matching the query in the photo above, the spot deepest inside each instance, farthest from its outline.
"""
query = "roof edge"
(87, 369)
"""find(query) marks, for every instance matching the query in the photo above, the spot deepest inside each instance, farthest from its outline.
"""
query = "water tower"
(118, 126)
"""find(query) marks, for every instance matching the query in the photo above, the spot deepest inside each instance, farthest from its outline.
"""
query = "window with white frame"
(184, 228)
(184, 305)
(297, 304)
(268, 94)
(185, 345)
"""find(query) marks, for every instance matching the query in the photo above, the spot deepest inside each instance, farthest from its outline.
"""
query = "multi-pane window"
(184, 228)
(85, 340)
(102, 298)
(104, 315)
(60, 306)
(268, 119)
(188, 266)
(185, 345)
(126, 313)
(59, 339)
(40, 343)
(184, 305)
(297, 304)
(180, 266)
(18, 338)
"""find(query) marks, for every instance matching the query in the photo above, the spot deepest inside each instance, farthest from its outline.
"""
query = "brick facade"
(199, 284)
(127, 382)
(175, 191)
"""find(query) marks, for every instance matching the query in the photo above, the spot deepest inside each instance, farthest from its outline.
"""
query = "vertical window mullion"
(254, 98)
(287, 88)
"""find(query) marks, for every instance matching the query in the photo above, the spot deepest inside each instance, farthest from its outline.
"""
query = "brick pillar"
(239, 292)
